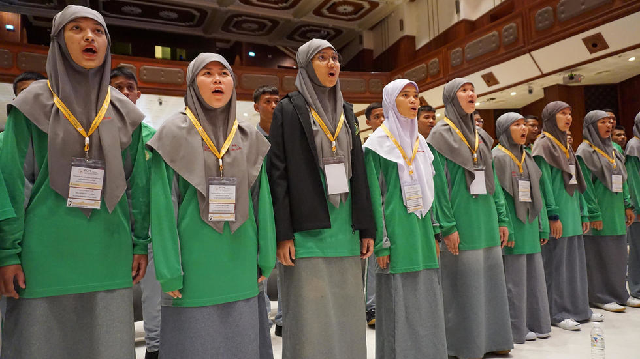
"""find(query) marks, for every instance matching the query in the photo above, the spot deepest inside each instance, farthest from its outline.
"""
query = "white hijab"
(405, 130)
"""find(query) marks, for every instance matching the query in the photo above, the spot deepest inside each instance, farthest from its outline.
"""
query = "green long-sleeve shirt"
(632, 164)
(411, 239)
(477, 217)
(610, 205)
(208, 267)
(571, 210)
(526, 235)
(61, 250)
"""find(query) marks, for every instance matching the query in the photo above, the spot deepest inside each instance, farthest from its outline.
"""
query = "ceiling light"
(252, 54)
(437, 115)
(633, 58)
(477, 103)
(513, 94)
(9, 27)
(246, 114)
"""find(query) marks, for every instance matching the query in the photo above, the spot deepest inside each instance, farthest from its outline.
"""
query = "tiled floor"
(621, 340)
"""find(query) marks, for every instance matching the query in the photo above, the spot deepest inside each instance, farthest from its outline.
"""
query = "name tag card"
(336, 175)
(85, 185)
(572, 169)
(222, 199)
(524, 190)
(616, 183)
(478, 186)
(412, 194)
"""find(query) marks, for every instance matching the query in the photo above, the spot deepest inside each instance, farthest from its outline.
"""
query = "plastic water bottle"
(597, 341)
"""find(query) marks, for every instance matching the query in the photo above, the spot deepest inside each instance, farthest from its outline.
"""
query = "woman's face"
(326, 64)
(407, 101)
(605, 126)
(467, 97)
(215, 84)
(563, 119)
(86, 42)
(519, 131)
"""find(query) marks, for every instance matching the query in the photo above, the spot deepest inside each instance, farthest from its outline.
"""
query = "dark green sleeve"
(166, 244)
(543, 219)
(266, 227)
(593, 209)
(139, 184)
(501, 208)
(442, 204)
(372, 165)
(633, 180)
(546, 188)
(12, 157)
(626, 196)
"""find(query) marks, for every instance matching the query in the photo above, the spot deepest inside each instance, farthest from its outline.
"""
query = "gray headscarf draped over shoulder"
(83, 91)
(633, 146)
(551, 152)
(182, 148)
(328, 103)
(597, 163)
(508, 171)
(447, 142)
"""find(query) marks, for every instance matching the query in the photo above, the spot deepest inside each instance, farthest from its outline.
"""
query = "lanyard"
(611, 159)
(473, 150)
(326, 130)
(208, 141)
(74, 121)
(408, 160)
(562, 147)
(513, 157)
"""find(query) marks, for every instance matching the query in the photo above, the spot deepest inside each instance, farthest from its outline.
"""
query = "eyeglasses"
(324, 58)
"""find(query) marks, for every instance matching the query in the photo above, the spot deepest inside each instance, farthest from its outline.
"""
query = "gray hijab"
(446, 141)
(551, 152)
(508, 171)
(83, 91)
(328, 103)
(182, 148)
(633, 146)
(597, 163)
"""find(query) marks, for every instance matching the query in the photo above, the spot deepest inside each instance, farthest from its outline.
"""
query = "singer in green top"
(401, 174)
(606, 245)
(472, 273)
(212, 244)
(566, 197)
(524, 273)
(72, 263)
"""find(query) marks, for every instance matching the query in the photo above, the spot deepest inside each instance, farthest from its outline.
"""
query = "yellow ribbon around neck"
(513, 157)
(331, 138)
(562, 147)
(611, 159)
(407, 160)
(474, 150)
(207, 139)
(74, 121)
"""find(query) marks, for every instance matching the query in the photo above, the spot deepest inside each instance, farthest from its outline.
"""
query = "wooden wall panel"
(628, 103)
(397, 55)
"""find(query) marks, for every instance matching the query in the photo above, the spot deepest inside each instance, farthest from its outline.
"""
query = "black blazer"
(299, 198)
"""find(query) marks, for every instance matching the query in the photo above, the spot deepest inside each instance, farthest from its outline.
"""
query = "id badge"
(524, 190)
(336, 175)
(478, 186)
(616, 183)
(572, 169)
(85, 184)
(222, 199)
(412, 193)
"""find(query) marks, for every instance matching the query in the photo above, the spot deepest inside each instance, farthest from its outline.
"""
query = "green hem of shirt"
(53, 292)
(7, 213)
(479, 246)
(321, 254)
(413, 268)
(205, 302)
(605, 233)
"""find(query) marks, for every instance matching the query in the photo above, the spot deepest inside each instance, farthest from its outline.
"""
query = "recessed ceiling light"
(513, 94)
(246, 114)
(633, 58)
(252, 54)
(9, 27)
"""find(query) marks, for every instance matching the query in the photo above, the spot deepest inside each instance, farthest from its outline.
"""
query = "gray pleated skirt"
(229, 330)
(410, 316)
(96, 325)
(266, 348)
(476, 308)
(323, 309)
(634, 260)
(607, 268)
(527, 292)
(565, 272)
